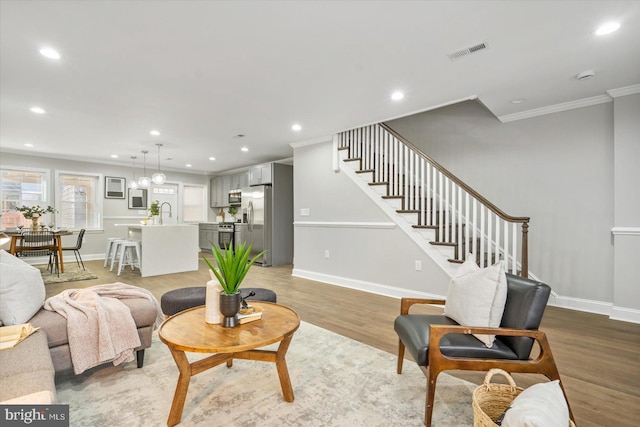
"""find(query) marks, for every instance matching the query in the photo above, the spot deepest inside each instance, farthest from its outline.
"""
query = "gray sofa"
(27, 371)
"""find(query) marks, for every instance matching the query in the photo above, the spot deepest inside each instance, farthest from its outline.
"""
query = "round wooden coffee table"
(187, 331)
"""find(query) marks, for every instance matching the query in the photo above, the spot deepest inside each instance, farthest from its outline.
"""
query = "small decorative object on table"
(34, 213)
(232, 267)
(249, 314)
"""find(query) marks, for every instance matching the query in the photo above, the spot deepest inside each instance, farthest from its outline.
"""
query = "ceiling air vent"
(468, 50)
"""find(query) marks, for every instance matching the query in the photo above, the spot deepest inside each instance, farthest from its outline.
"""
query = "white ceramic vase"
(212, 302)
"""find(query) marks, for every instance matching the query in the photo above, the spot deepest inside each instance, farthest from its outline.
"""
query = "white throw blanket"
(99, 326)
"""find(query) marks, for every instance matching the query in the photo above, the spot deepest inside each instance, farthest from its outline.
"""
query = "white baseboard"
(361, 285)
(579, 304)
(625, 314)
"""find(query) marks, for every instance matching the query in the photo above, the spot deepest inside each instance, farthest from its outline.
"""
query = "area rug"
(71, 273)
(336, 382)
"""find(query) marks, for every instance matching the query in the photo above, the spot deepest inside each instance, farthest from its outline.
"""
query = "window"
(78, 200)
(194, 203)
(21, 187)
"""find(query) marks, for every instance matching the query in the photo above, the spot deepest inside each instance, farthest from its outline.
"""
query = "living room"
(567, 167)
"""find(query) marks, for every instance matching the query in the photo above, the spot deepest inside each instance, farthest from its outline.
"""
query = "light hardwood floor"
(598, 358)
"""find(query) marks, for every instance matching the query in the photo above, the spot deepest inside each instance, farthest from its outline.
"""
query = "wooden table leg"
(59, 243)
(175, 415)
(283, 372)
(12, 248)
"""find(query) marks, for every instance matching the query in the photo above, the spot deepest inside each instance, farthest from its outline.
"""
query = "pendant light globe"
(144, 181)
(158, 178)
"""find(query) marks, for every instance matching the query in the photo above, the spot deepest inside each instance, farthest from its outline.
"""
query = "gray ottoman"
(181, 299)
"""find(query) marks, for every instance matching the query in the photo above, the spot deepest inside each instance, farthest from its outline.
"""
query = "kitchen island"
(166, 249)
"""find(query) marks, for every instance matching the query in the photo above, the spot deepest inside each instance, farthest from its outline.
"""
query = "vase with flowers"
(34, 213)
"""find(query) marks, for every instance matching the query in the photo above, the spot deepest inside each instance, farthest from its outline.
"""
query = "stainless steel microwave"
(235, 198)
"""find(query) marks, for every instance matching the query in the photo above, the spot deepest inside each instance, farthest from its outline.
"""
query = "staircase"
(437, 206)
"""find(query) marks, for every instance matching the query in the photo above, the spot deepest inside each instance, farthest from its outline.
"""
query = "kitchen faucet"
(161, 206)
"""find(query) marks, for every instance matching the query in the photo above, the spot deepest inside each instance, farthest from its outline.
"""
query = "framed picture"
(137, 198)
(114, 187)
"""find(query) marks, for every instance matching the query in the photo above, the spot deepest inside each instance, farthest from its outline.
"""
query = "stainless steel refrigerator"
(267, 213)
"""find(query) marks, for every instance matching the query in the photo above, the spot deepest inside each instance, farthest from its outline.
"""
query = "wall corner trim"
(557, 108)
(624, 91)
(625, 231)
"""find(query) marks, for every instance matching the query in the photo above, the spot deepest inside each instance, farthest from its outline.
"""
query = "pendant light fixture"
(144, 181)
(159, 178)
(133, 183)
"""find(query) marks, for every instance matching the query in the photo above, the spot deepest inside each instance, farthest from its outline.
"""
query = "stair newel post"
(525, 250)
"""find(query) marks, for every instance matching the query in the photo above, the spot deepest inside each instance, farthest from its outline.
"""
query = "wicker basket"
(491, 400)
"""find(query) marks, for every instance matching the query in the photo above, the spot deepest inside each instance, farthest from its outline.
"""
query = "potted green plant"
(232, 210)
(154, 211)
(230, 269)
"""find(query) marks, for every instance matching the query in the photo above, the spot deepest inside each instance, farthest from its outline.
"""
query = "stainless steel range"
(225, 235)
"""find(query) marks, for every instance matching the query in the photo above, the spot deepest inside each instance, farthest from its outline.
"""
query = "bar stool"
(126, 255)
(115, 251)
(110, 251)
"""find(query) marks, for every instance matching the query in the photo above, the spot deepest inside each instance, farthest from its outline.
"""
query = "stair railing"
(460, 216)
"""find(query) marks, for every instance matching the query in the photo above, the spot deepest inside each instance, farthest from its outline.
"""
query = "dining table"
(16, 235)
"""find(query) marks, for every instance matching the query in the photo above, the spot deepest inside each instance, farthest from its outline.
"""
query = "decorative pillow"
(476, 297)
(541, 405)
(21, 290)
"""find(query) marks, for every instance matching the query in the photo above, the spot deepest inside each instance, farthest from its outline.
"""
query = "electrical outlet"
(326, 253)
(304, 212)
(418, 265)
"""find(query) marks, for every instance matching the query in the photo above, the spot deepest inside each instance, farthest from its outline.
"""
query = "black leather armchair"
(438, 343)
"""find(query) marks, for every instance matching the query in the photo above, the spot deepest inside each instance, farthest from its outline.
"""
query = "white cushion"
(476, 297)
(541, 405)
(22, 290)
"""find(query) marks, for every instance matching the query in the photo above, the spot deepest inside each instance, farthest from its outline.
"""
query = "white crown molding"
(625, 231)
(624, 91)
(557, 108)
(313, 141)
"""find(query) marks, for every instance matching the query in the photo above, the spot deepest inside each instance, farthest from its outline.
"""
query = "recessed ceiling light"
(397, 95)
(245, 149)
(212, 158)
(296, 127)
(114, 156)
(50, 53)
(155, 133)
(607, 28)
(37, 110)
(517, 101)
(28, 145)
(188, 165)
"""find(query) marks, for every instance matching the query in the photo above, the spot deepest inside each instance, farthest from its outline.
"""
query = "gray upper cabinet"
(221, 185)
(261, 174)
(239, 180)
(220, 191)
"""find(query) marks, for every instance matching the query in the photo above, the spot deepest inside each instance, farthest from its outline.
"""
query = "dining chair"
(38, 244)
(76, 249)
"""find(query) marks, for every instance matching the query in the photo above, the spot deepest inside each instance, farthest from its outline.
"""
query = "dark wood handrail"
(455, 179)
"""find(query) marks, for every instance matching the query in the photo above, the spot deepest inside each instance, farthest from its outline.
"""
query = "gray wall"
(627, 205)
(344, 221)
(115, 210)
